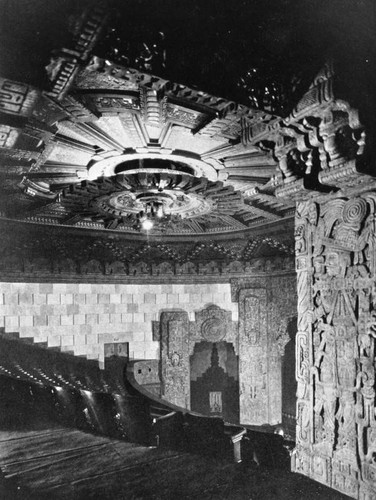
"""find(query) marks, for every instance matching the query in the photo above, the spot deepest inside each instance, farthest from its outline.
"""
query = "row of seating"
(39, 384)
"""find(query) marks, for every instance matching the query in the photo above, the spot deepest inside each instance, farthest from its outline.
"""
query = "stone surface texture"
(335, 344)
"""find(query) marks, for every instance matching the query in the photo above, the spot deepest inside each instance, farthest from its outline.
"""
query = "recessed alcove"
(214, 380)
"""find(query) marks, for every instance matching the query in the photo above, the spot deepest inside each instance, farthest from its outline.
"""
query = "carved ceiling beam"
(188, 97)
(245, 181)
(17, 99)
(256, 194)
(251, 159)
(142, 132)
(97, 136)
(194, 225)
(71, 219)
(261, 171)
(206, 126)
(57, 179)
(233, 222)
(226, 150)
(110, 103)
(133, 130)
(15, 170)
(20, 125)
(64, 168)
(262, 211)
(39, 211)
(17, 154)
(151, 108)
(64, 67)
(78, 110)
(84, 147)
(214, 127)
(8, 135)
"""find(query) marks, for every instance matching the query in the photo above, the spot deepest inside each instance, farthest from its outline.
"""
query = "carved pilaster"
(175, 357)
(336, 429)
(265, 307)
(253, 356)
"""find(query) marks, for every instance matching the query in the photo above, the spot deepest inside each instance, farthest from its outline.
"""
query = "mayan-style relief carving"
(253, 356)
(65, 266)
(282, 337)
(335, 345)
(209, 268)
(233, 267)
(265, 306)
(164, 268)
(178, 337)
(116, 267)
(213, 324)
(92, 267)
(17, 98)
(141, 268)
(174, 327)
(38, 265)
(186, 268)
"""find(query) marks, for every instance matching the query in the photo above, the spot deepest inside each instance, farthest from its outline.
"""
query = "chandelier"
(153, 213)
(148, 196)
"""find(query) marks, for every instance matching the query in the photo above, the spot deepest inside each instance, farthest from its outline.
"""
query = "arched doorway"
(214, 380)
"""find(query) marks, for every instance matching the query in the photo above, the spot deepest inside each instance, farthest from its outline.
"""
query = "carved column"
(303, 356)
(253, 365)
(174, 329)
(336, 424)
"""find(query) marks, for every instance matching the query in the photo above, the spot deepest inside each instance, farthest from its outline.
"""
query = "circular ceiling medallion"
(177, 204)
(153, 195)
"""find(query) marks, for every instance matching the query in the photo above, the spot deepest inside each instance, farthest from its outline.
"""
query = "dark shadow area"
(289, 385)
(214, 381)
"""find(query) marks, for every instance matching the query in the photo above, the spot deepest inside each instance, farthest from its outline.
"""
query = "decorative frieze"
(27, 267)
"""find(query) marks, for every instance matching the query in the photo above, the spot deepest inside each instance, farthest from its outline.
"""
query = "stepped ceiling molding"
(104, 143)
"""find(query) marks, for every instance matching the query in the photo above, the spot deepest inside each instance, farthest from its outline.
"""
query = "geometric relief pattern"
(335, 344)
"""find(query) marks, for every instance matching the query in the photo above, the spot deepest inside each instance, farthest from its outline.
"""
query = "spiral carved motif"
(213, 330)
(354, 211)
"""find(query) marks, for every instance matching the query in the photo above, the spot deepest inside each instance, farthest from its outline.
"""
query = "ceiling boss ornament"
(148, 194)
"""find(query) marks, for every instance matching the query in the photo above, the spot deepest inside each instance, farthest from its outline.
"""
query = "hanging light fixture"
(147, 224)
(153, 213)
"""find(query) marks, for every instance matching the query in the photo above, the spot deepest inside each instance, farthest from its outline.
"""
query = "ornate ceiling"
(92, 138)
(112, 147)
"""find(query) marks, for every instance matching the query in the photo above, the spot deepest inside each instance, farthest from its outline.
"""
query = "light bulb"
(147, 224)
(160, 213)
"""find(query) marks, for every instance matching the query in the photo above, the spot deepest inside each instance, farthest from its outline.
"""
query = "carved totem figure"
(335, 261)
